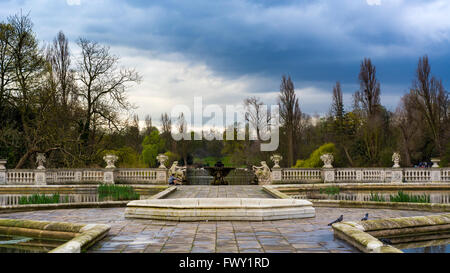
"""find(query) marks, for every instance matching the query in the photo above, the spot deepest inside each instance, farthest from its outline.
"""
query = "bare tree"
(60, 60)
(368, 95)
(182, 129)
(407, 120)
(102, 87)
(148, 125)
(367, 104)
(432, 100)
(255, 115)
(290, 114)
(166, 132)
(6, 63)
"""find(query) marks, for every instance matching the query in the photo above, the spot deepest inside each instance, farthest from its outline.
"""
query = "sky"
(225, 51)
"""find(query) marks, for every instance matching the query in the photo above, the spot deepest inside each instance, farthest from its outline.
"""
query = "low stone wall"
(363, 235)
(220, 209)
(78, 237)
(279, 191)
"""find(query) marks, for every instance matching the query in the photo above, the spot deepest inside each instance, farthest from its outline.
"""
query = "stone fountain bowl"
(224, 171)
(220, 209)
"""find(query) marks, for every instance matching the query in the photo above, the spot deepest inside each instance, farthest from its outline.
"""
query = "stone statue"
(327, 160)
(178, 172)
(161, 159)
(40, 160)
(110, 160)
(396, 160)
(276, 159)
(263, 172)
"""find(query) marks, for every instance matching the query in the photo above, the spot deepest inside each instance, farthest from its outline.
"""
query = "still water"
(13, 199)
(429, 249)
(10, 244)
(442, 197)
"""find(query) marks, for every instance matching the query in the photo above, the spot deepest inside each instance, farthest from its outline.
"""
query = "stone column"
(40, 177)
(161, 176)
(328, 175)
(435, 171)
(397, 175)
(2, 171)
(397, 172)
(39, 174)
(276, 175)
(108, 176)
(78, 176)
(359, 175)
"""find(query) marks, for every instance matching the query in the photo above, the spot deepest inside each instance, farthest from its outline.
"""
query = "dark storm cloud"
(316, 42)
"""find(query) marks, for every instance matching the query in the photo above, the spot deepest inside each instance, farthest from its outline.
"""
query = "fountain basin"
(219, 209)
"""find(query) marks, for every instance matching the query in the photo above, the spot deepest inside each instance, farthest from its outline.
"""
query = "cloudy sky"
(225, 51)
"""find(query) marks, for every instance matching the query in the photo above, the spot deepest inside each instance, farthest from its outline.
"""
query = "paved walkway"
(300, 235)
(219, 192)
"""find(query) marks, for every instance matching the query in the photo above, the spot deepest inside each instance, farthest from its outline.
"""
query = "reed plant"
(117, 192)
(41, 199)
(401, 197)
(331, 190)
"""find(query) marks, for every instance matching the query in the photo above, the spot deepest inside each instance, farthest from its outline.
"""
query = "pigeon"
(337, 220)
(385, 241)
(365, 218)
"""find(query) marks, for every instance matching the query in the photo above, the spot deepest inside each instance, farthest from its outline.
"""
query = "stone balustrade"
(109, 175)
(276, 175)
(361, 175)
(306, 175)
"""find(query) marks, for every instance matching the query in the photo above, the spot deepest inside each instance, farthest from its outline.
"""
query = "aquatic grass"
(377, 197)
(41, 199)
(117, 192)
(401, 197)
(331, 190)
(409, 198)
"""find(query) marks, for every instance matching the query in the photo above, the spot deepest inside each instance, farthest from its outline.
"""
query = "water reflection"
(429, 249)
(442, 197)
(13, 199)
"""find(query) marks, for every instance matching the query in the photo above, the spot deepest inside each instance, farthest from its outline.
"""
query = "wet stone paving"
(308, 235)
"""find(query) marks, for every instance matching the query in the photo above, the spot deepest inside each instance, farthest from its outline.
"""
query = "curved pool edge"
(220, 209)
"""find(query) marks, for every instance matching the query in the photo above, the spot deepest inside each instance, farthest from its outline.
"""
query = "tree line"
(72, 108)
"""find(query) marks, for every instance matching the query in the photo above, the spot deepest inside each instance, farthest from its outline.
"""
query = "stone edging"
(106, 204)
(273, 191)
(362, 234)
(80, 236)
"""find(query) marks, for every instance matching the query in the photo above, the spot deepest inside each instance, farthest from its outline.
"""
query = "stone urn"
(40, 160)
(435, 162)
(161, 159)
(396, 160)
(276, 159)
(327, 160)
(110, 160)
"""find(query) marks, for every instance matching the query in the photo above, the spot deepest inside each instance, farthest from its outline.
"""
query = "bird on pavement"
(365, 218)
(337, 220)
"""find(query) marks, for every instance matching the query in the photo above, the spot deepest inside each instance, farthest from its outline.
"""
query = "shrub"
(314, 160)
